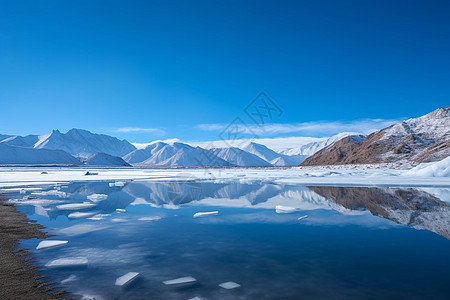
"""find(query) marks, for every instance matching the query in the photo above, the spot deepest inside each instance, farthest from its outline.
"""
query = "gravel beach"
(18, 278)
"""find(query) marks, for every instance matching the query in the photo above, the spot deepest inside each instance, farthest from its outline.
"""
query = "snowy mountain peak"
(82, 142)
(423, 139)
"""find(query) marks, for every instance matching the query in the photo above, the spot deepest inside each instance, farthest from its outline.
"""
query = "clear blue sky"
(172, 65)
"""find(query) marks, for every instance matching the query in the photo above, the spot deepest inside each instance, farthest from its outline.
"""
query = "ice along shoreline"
(18, 277)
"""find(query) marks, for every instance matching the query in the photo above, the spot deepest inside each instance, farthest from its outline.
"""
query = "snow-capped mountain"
(3, 137)
(78, 141)
(176, 154)
(274, 158)
(75, 142)
(311, 148)
(22, 141)
(20, 155)
(239, 157)
(423, 139)
(180, 154)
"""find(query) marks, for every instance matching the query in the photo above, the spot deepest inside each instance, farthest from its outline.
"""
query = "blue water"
(355, 243)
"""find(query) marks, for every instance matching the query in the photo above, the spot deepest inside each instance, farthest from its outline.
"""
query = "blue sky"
(146, 70)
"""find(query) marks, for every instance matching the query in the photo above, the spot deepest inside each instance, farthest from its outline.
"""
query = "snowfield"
(430, 175)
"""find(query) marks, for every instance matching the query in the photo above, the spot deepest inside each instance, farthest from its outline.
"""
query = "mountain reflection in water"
(419, 208)
(338, 242)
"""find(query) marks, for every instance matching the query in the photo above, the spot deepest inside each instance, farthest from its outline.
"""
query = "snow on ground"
(427, 175)
(435, 169)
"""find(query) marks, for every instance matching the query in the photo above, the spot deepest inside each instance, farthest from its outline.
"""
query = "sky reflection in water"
(355, 242)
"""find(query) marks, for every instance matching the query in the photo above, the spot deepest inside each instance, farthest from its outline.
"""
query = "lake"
(276, 241)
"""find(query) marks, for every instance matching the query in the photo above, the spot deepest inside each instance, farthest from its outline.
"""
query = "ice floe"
(51, 193)
(80, 215)
(117, 183)
(118, 220)
(120, 210)
(99, 217)
(75, 206)
(97, 197)
(51, 243)
(155, 218)
(127, 278)
(67, 262)
(229, 285)
(302, 217)
(181, 280)
(281, 209)
(206, 213)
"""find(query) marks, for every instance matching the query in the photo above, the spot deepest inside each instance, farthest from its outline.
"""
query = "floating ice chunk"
(97, 197)
(155, 218)
(23, 191)
(118, 220)
(51, 193)
(120, 210)
(127, 278)
(182, 280)
(69, 279)
(75, 206)
(229, 285)
(206, 213)
(50, 244)
(99, 217)
(117, 183)
(280, 209)
(80, 215)
(303, 217)
(68, 262)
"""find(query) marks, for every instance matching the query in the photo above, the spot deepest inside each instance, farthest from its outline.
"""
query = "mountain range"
(81, 147)
(423, 139)
(75, 141)
(413, 141)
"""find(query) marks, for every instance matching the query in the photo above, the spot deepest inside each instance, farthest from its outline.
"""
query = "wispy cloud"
(156, 131)
(318, 128)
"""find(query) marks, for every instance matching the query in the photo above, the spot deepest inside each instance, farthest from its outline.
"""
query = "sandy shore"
(18, 278)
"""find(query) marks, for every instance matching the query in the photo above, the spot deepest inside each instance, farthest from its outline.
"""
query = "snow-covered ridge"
(75, 142)
(423, 139)
(180, 154)
(76, 147)
(311, 148)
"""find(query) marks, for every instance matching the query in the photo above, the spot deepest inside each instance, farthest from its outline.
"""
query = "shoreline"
(18, 277)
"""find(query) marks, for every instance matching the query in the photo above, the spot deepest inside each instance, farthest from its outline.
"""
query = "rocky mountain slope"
(313, 147)
(411, 207)
(423, 139)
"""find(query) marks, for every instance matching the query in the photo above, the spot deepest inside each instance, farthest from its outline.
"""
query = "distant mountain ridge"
(93, 149)
(311, 148)
(75, 142)
(417, 140)
(180, 154)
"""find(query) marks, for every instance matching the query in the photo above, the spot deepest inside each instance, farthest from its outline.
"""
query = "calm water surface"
(357, 243)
